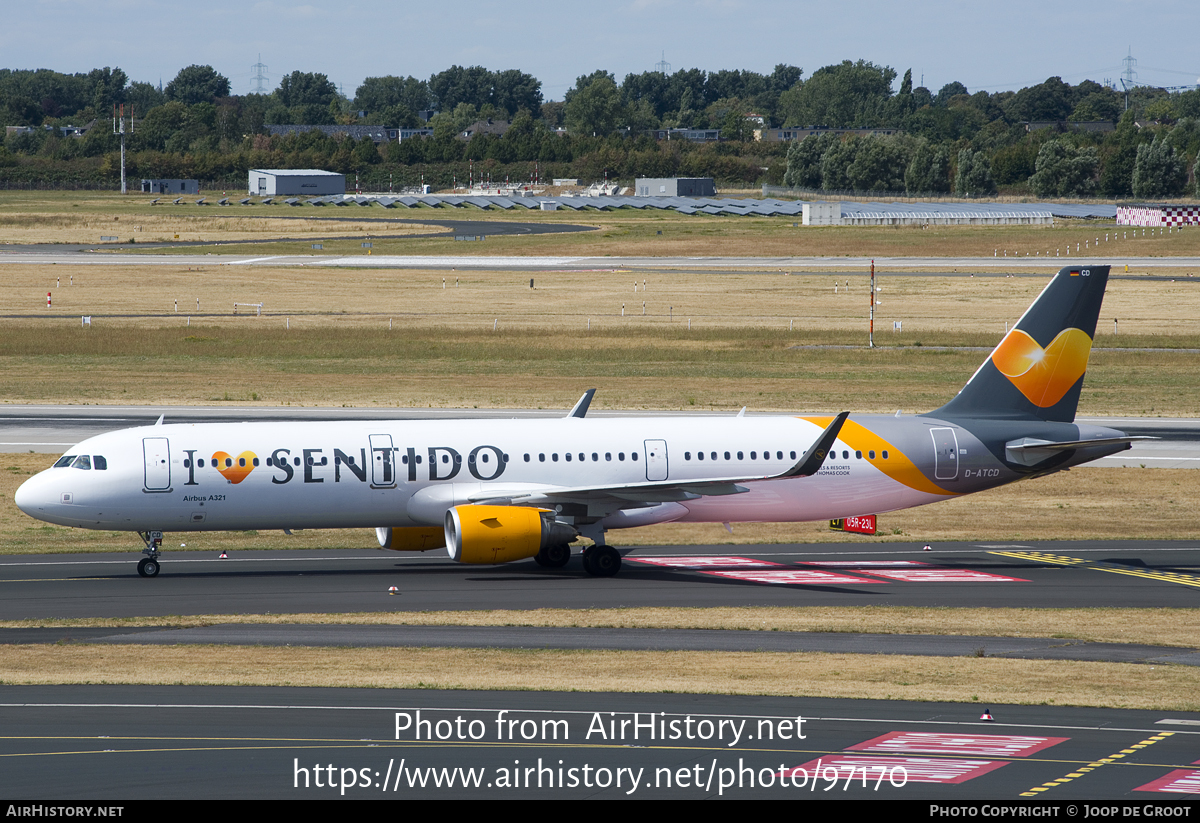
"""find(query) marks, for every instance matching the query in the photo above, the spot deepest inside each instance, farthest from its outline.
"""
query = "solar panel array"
(726, 205)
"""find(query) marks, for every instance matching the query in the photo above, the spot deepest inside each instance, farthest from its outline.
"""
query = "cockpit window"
(83, 461)
(65, 460)
(99, 463)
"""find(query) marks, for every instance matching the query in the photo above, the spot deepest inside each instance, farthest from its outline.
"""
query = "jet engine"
(500, 534)
(410, 538)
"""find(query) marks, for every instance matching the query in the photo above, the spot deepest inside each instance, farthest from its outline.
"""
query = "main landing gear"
(554, 556)
(149, 566)
(601, 561)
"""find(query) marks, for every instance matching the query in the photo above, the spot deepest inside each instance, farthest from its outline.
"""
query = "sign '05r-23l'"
(494, 491)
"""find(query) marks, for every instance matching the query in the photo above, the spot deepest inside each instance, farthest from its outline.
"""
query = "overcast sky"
(985, 45)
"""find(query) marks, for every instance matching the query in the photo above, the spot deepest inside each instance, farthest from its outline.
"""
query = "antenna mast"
(119, 128)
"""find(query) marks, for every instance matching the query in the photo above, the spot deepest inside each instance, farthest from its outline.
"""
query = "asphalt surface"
(469, 228)
(120, 743)
(539, 637)
(1060, 574)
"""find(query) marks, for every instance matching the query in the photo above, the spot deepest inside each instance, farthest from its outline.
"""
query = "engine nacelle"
(410, 538)
(501, 534)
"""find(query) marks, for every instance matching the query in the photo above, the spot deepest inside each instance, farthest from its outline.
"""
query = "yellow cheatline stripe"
(1101, 566)
(898, 466)
(1036, 790)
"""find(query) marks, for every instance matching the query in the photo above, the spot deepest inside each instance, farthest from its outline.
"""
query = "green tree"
(929, 170)
(197, 84)
(378, 94)
(1158, 171)
(879, 164)
(306, 89)
(848, 95)
(1064, 170)
(835, 163)
(804, 161)
(594, 107)
(974, 177)
(457, 85)
(513, 90)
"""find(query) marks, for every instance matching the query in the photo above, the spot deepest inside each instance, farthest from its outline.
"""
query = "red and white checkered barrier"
(1158, 215)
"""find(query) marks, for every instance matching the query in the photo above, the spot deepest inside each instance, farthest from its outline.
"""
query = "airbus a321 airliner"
(495, 491)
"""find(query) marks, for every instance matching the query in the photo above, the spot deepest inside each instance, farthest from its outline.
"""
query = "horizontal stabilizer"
(1029, 451)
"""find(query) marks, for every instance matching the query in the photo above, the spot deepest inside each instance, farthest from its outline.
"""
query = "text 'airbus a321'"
(495, 491)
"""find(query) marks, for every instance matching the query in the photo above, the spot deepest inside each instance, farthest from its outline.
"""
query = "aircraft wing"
(666, 491)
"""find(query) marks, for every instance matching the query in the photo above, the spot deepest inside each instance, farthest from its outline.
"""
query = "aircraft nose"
(33, 495)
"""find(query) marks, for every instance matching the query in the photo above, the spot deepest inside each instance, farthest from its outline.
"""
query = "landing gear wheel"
(602, 561)
(554, 557)
(148, 567)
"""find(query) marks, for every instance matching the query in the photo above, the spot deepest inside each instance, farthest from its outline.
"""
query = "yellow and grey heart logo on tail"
(1043, 375)
(234, 469)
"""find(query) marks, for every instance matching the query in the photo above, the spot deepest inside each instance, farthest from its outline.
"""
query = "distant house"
(378, 134)
(308, 182)
(691, 135)
(1098, 126)
(163, 185)
(489, 126)
(777, 135)
(63, 131)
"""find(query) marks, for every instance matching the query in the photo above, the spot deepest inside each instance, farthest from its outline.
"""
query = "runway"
(1062, 574)
(120, 743)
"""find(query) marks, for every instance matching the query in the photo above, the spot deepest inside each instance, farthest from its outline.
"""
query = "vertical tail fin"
(1037, 370)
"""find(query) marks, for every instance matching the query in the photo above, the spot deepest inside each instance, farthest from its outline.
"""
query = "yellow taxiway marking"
(1103, 566)
(1095, 764)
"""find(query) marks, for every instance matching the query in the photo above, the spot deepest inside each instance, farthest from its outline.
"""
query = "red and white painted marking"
(918, 769)
(1180, 781)
(867, 564)
(795, 577)
(978, 745)
(942, 576)
(706, 562)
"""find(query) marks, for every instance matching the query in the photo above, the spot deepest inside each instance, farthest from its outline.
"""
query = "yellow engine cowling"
(410, 538)
(501, 534)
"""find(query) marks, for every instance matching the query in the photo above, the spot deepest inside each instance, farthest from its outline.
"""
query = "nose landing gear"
(149, 565)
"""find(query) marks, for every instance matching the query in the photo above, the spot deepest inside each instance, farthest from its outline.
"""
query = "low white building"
(306, 182)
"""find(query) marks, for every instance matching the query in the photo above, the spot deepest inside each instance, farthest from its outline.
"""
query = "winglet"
(742, 413)
(159, 421)
(815, 456)
(581, 407)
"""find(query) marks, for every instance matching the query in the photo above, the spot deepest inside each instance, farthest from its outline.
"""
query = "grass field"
(86, 216)
(364, 337)
(987, 681)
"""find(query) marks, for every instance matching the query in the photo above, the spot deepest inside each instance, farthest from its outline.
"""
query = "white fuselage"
(408, 473)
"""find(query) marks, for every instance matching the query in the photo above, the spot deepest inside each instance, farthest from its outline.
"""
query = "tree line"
(949, 141)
